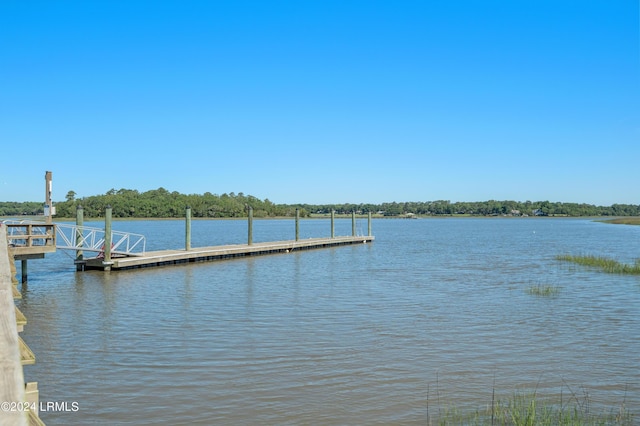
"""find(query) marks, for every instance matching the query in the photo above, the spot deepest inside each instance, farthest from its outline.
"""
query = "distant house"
(539, 212)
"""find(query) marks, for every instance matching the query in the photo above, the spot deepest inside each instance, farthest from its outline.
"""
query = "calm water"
(433, 315)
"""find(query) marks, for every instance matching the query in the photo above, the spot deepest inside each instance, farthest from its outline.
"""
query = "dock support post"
(107, 239)
(24, 271)
(187, 231)
(297, 224)
(48, 213)
(79, 224)
(250, 226)
(369, 224)
(333, 224)
(353, 224)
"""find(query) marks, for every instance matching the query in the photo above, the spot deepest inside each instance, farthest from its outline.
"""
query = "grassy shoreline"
(529, 409)
(623, 220)
(605, 264)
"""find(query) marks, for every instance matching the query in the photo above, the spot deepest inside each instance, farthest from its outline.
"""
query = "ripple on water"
(434, 314)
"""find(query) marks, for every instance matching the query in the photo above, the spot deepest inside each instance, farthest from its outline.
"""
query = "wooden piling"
(333, 224)
(353, 224)
(48, 203)
(250, 226)
(24, 271)
(297, 224)
(107, 239)
(187, 232)
(79, 224)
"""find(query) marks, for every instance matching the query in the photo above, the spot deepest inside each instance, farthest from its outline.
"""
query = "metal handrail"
(92, 239)
(73, 237)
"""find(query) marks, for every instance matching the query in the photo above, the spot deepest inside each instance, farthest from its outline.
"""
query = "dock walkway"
(206, 254)
(19, 399)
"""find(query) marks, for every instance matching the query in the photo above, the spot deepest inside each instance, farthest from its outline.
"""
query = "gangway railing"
(85, 238)
(29, 233)
(79, 238)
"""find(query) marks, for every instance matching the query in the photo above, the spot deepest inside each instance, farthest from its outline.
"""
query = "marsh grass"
(529, 409)
(605, 264)
(543, 290)
(624, 221)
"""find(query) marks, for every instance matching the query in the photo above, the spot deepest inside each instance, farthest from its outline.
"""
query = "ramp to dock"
(36, 238)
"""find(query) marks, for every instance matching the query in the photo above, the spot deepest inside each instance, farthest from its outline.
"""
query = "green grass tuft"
(529, 409)
(543, 290)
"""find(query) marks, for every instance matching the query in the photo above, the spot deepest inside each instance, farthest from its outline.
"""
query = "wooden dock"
(14, 353)
(206, 254)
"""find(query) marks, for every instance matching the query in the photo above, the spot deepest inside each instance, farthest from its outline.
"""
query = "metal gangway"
(79, 238)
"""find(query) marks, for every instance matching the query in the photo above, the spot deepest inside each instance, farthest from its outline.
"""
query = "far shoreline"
(631, 220)
(622, 220)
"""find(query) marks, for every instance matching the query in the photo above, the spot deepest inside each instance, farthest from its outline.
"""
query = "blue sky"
(323, 101)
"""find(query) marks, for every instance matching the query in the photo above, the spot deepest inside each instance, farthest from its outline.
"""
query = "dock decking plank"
(202, 254)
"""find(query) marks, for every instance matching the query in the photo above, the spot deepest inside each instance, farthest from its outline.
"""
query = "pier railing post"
(79, 225)
(353, 224)
(187, 231)
(369, 224)
(333, 224)
(297, 224)
(107, 239)
(250, 226)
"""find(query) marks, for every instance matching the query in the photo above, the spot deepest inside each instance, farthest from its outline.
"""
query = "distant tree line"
(483, 208)
(160, 203)
(14, 208)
